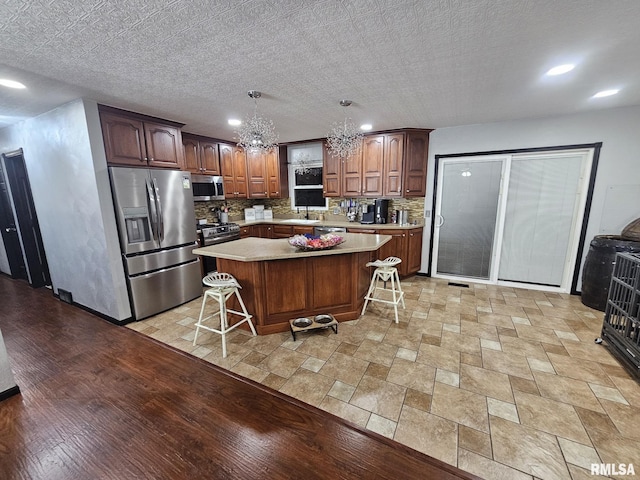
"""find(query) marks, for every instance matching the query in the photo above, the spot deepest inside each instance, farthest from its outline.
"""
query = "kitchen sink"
(299, 220)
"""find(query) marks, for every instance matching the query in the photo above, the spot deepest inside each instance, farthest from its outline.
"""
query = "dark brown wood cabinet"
(277, 173)
(415, 164)
(414, 250)
(200, 155)
(281, 231)
(391, 164)
(372, 163)
(352, 175)
(138, 141)
(267, 175)
(394, 248)
(331, 174)
(405, 244)
(256, 174)
(233, 166)
(361, 230)
(263, 231)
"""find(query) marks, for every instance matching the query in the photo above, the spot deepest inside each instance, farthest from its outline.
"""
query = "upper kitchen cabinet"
(415, 163)
(277, 173)
(233, 164)
(331, 174)
(136, 140)
(390, 164)
(200, 155)
(267, 174)
(371, 166)
(256, 174)
(393, 164)
(341, 176)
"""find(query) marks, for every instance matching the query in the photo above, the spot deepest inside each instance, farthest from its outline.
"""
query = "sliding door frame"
(596, 147)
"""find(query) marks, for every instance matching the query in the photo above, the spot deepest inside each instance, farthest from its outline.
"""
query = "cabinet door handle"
(407, 190)
(146, 159)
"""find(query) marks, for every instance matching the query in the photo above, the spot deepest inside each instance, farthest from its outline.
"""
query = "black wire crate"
(621, 326)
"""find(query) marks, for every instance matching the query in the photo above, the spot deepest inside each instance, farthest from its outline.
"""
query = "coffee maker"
(381, 210)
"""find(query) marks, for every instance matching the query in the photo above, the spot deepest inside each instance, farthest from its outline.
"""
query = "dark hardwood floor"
(99, 401)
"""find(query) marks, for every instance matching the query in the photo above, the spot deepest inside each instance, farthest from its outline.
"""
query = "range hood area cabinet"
(254, 174)
(233, 164)
(136, 140)
(388, 164)
(201, 155)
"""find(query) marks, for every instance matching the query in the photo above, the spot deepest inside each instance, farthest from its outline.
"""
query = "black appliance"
(213, 234)
(381, 210)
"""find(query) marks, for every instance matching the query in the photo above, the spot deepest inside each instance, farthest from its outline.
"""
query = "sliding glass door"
(511, 219)
(539, 218)
(466, 216)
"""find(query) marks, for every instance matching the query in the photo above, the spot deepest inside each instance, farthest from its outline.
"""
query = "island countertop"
(253, 249)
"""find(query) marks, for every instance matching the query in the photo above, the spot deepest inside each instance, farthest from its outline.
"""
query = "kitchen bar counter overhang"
(280, 283)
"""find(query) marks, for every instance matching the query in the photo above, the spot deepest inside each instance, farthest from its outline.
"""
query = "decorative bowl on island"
(308, 242)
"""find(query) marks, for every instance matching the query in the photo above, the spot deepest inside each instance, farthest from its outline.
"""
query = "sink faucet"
(306, 216)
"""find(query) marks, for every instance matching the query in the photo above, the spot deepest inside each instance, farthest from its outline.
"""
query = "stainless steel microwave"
(207, 187)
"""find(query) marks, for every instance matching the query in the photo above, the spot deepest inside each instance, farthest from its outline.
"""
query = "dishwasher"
(325, 230)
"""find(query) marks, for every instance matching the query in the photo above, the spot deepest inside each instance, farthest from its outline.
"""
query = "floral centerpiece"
(308, 242)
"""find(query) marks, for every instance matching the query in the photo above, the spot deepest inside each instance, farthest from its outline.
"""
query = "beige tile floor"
(502, 382)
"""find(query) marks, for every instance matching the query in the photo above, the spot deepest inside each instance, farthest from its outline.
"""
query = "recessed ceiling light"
(366, 126)
(234, 122)
(606, 93)
(560, 69)
(11, 83)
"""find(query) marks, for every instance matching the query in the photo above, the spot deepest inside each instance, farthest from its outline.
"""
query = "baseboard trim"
(9, 393)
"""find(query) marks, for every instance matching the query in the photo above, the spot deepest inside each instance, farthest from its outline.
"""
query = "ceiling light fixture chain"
(344, 139)
(256, 133)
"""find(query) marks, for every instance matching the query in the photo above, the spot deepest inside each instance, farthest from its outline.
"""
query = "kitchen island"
(280, 283)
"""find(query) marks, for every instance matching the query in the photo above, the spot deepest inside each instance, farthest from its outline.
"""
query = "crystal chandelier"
(344, 139)
(256, 133)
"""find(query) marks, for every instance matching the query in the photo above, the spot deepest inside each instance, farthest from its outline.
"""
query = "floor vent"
(463, 285)
(65, 296)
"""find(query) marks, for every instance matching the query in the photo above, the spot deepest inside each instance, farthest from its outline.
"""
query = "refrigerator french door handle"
(151, 204)
(159, 207)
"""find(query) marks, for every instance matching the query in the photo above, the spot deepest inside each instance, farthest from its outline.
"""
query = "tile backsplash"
(282, 207)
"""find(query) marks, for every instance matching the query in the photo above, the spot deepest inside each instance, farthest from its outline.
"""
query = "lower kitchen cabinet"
(405, 244)
(414, 250)
(263, 231)
(281, 231)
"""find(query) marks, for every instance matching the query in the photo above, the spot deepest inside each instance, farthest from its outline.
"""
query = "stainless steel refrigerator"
(157, 230)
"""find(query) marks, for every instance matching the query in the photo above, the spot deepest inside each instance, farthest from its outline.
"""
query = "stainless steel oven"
(213, 234)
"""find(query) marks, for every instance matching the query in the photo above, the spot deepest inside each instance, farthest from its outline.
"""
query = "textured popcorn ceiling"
(404, 63)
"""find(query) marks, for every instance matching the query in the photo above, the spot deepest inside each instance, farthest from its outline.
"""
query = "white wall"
(67, 170)
(618, 168)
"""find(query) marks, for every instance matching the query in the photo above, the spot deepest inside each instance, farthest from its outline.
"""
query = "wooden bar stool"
(385, 271)
(223, 286)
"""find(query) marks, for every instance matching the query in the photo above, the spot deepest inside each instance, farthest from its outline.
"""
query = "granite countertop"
(254, 249)
(327, 223)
